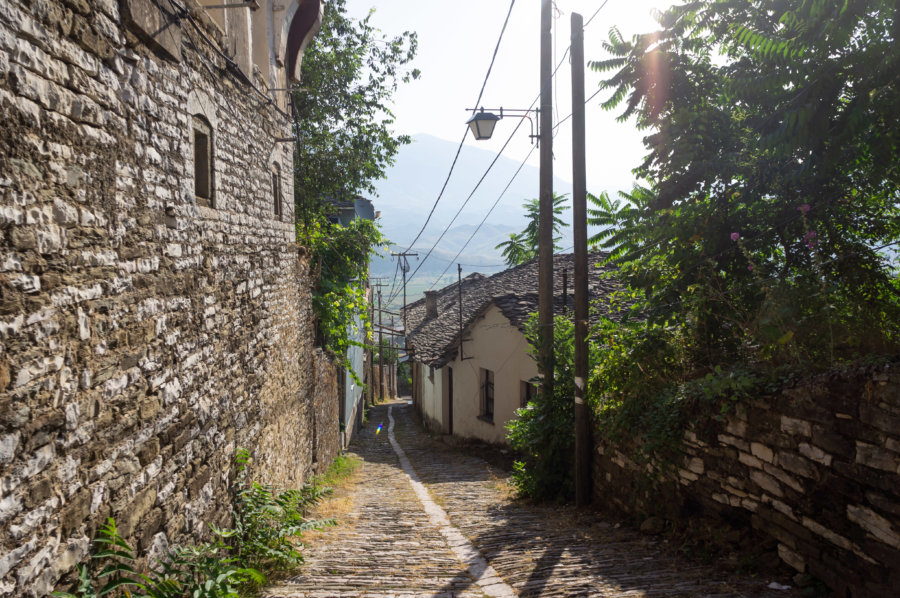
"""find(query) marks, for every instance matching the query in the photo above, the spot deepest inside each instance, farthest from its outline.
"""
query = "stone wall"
(143, 336)
(814, 467)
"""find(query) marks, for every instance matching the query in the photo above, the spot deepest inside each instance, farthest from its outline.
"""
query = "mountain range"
(408, 193)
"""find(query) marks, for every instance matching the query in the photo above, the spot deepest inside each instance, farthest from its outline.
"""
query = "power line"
(497, 201)
(466, 202)
(596, 12)
(459, 148)
(446, 229)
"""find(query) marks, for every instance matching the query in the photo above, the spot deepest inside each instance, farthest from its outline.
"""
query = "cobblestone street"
(424, 519)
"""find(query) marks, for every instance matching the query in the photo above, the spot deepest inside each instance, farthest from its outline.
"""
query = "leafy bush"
(544, 431)
(203, 571)
(341, 262)
(266, 520)
(760, 247)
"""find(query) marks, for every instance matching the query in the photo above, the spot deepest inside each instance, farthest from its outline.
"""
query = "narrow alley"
(424, 519)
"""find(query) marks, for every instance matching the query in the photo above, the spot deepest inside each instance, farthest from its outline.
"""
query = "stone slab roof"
(514, 291)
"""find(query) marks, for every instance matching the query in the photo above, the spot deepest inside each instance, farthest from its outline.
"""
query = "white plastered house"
(471, 374)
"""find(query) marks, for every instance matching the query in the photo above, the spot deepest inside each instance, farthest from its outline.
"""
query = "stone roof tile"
(514, 291)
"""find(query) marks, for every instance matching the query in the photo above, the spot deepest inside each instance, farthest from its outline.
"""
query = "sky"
(456, 41)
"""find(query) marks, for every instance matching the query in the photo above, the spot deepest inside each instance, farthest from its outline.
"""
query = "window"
(487, 395)
(203, 161)
(528, 393)
(276, 189)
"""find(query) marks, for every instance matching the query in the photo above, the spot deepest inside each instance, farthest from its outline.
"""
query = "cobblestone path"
(468, 538)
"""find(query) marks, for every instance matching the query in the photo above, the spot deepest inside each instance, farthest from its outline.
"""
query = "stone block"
(836, 444)
(792, 558)
(75, 513)
(874, 524)
(131, 515)
(767, 483)
(762, 452)
(877, 457)
(879, 418)
(815, 454)
(783, 477)
(798, 465)
(833, 537)
(749, 460)
(795, 426)
(155, 25)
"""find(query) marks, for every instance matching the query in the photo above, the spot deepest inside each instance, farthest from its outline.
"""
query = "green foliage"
(770, 197)
(544, 431)
(341, 257)
(756, 250)
(266, 520)
(341, 469)
(523, 247)
(343, 122)
(203, 571)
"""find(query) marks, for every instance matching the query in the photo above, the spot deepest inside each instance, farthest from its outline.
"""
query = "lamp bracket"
(252, 5)
(520, 113)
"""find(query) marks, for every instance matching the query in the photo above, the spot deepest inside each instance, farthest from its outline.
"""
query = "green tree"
(544, 431)
(772, 185)
(341, 256)
(343, 123)
(523, 246)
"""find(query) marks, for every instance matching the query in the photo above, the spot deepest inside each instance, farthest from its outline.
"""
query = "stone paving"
(446, 526)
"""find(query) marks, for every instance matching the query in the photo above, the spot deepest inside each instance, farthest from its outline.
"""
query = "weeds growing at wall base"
(267, 526)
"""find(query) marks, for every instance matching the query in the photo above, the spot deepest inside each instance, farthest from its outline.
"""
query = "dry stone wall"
(143, 336)
(815, 467)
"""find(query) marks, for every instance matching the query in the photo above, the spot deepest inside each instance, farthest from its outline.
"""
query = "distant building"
(470, 375)
(353, 382)
(345, 210)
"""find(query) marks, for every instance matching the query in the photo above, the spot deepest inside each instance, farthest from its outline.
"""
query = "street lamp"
(482, 123)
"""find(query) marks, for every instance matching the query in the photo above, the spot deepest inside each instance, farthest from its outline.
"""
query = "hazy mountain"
(408, 193)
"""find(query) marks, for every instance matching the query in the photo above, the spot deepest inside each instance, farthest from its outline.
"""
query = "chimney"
(430, 304)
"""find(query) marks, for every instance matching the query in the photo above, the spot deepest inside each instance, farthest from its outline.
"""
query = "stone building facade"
(814, 469)
(155, 311)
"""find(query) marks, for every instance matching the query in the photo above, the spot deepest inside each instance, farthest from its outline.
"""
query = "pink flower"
(750, 267)
(735, 236)
(810, 234)
(804, 208)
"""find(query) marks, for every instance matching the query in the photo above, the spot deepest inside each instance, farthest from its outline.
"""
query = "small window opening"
(487, 395)
(276, 190)
(203, 161)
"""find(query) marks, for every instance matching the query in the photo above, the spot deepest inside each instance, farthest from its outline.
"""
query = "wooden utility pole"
(392, 367)
(545, 223)
(583, 448)
(459, 288)
(378, 284)
(380, 352)
(404, 266)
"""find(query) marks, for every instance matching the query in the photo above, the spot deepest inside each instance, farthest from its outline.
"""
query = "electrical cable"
(466, 202)
(483, 220)
(446, 229)
(461, 141)
(596, 12)
(458, 149)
